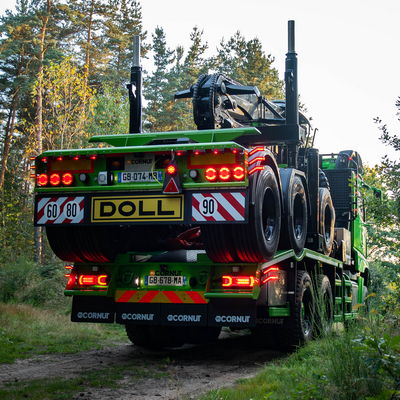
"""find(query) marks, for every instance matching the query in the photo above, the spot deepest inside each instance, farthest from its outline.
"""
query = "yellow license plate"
(137, 208)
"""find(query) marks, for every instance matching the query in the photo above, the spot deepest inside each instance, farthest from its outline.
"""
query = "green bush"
(26, 282)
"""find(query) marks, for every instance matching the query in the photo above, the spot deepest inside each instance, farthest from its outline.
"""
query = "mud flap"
(238, 313)
(93, 309)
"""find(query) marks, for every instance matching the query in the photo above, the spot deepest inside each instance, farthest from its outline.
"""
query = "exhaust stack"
(292, 106)
(135, 90)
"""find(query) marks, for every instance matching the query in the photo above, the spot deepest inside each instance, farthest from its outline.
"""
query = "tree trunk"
(8, 136)
(39, 117)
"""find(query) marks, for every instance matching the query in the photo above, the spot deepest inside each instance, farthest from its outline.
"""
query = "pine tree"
(87, 26)
(15, 59)
(157, 87)
(123, 21)
(246, 62)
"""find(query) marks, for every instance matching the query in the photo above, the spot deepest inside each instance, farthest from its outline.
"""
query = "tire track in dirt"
(171, 374)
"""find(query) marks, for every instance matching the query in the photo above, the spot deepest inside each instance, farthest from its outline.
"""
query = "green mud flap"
(98, 309)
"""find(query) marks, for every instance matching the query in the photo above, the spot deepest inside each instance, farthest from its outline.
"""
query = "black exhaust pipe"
(292, 106)
(135, 90)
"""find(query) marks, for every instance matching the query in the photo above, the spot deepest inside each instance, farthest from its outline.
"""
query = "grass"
(339, 367)
(26, 331)
(59, 389)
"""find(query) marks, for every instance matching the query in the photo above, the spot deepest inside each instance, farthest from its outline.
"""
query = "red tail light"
(270, 274)
(42, 180)
(238, 173)
(211, 174)
(229, 281)
(92, 280)
(171, 169)
(224, 174)
(55, 179)
(67, 179)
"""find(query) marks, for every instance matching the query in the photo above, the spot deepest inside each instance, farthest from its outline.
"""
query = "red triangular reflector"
(171, 187)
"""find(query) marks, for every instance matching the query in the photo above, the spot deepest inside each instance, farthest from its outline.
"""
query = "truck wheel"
(258, 240)
(324, 306)
(218, 243)
(155, 337)
(294, 223)
(139, 335)
(299, 327)
(83, 243)
(326, 220)
(202, 334)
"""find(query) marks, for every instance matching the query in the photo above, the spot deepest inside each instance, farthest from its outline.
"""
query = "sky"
(349, 59)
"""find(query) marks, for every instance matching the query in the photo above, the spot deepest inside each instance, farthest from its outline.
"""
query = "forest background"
(64, 66)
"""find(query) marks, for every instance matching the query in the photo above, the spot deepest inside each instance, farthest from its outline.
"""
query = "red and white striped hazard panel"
(60, 210)
(223, 206)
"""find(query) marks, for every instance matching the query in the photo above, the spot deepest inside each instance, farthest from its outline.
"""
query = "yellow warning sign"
(137, 208)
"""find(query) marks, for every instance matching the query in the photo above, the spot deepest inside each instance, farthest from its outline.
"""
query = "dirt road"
(183, 373)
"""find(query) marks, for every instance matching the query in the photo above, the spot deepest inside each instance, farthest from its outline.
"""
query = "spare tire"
(326, 220)
(84, 243)
(256, 241)
(294, 222)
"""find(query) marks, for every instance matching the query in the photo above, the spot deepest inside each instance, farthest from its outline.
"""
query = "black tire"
(139, 335)
(324, 306)
(155, 337)
(323, 180)
(326, 220)
(102, 243)
(256, 241)
(298, 329)
(218, 243)
(201, 334)
(294, 222)
(83, 243)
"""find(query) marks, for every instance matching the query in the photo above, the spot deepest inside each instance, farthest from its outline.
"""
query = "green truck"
(240, 223)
